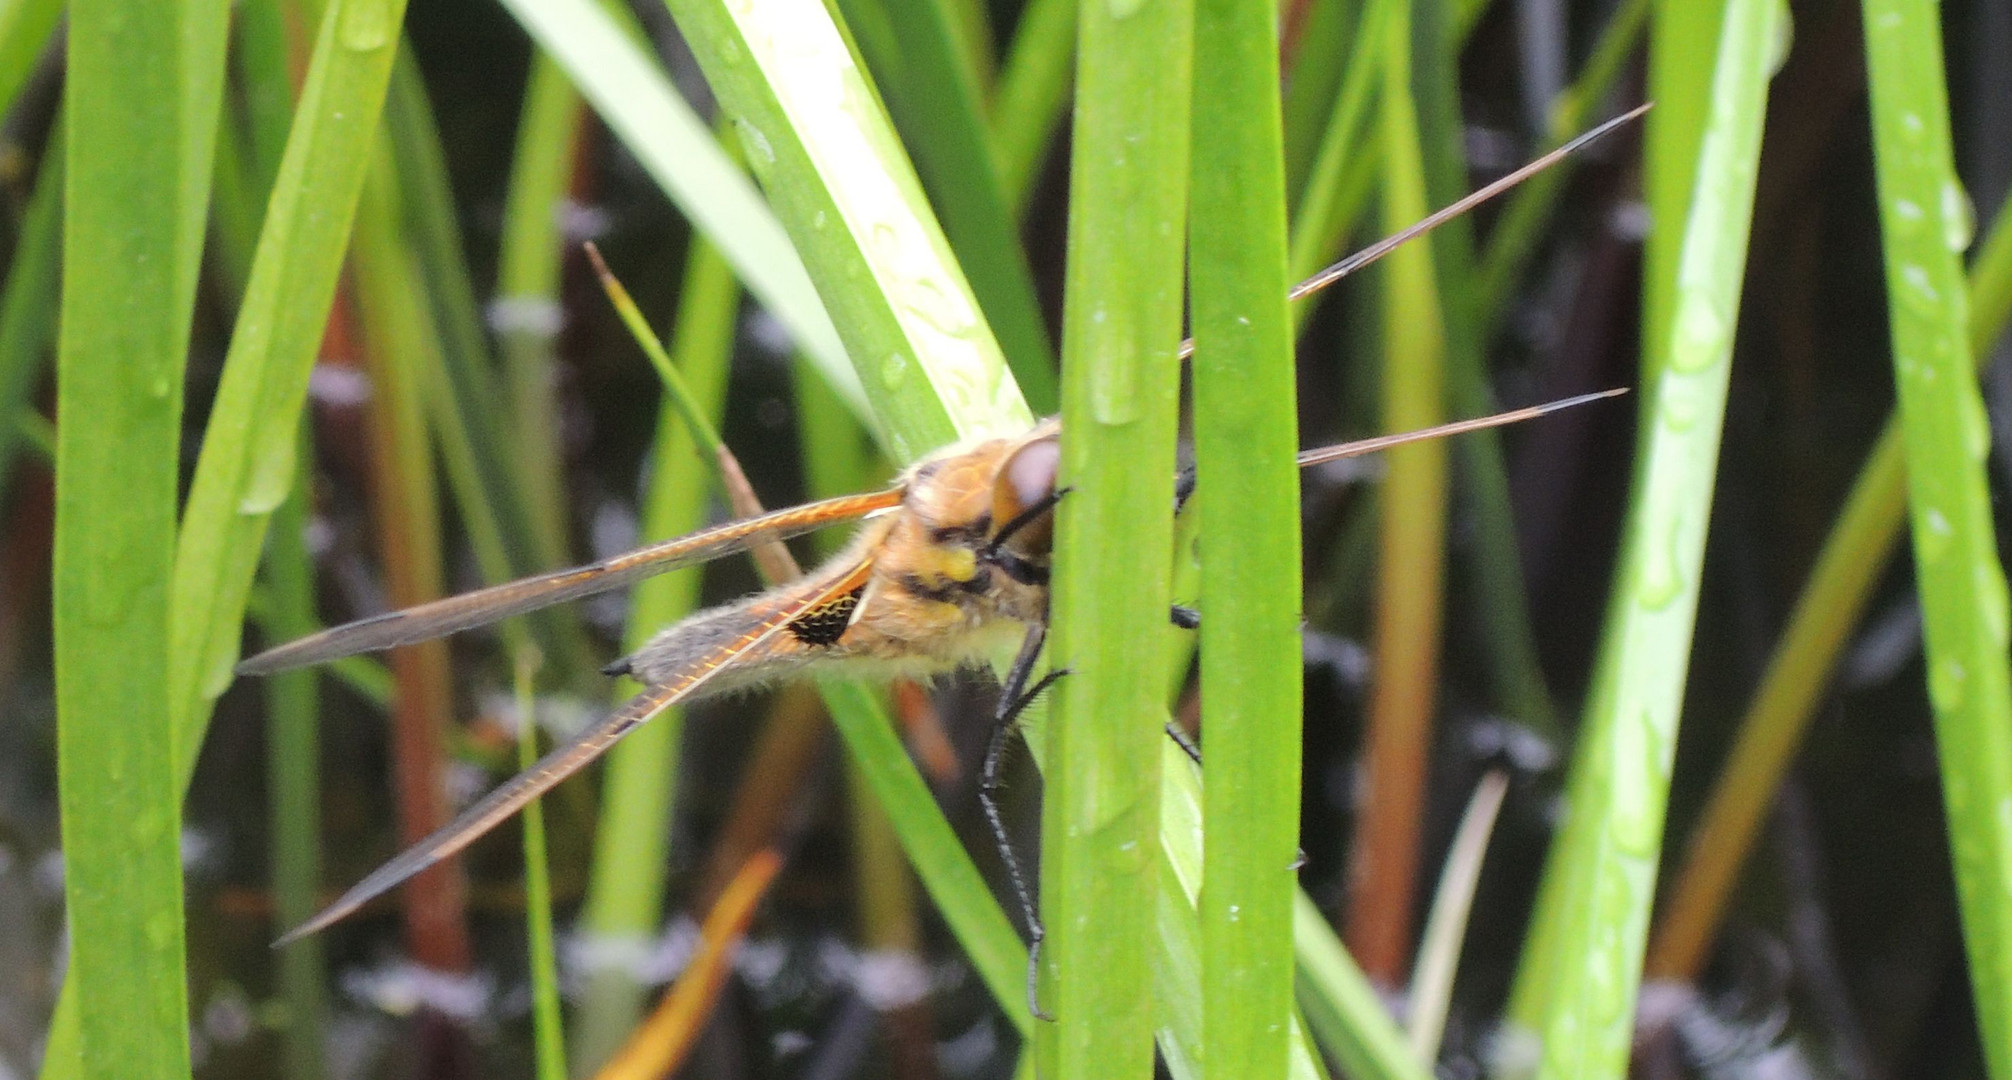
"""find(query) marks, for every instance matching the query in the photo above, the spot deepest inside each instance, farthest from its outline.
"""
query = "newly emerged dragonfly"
(948, 569)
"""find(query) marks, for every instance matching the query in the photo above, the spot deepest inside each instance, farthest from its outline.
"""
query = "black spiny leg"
(1014, 698)
(1194, 753)
(1185, 617)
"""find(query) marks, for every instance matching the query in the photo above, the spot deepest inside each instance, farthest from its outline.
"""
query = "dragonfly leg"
(1185, 617)
(1013, 700)
(1186, 744)
(1189, 747)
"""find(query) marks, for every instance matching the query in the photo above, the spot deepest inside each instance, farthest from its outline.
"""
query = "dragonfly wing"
(472, 609)
(1457, 427)
(575, 755)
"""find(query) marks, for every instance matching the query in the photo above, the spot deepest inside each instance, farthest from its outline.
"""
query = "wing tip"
(304, 930)
(262, 664)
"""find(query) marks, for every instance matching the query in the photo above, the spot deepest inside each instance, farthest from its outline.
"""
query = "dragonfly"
(949, 566)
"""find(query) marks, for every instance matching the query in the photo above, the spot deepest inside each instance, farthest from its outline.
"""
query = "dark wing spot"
(826, 623)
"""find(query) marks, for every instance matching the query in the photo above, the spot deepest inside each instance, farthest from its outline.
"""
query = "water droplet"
(1907, 210)
(1946, 684)
(271, 479)
(1679, 412)
(1935, 533)
(893, 370)
(1976, 426)
(1959, 217)
(1701, 335)
(760, 153)
(1636, 827)
(1920, 287)
(1661, 582)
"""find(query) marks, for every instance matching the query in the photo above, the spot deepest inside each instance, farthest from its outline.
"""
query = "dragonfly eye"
(1023, 493)
(1027, 478)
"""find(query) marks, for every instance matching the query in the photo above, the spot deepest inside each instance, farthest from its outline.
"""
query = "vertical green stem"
(1581, 968)
(526, 313)
(142, 102)
(1114, 535)
(1966, 615)
(1031, 95)
(1246, 437)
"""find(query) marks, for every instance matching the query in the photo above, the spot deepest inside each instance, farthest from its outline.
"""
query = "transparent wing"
(471, 609)
(493, 808)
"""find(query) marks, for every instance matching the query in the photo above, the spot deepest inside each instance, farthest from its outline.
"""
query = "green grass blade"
(251, 139)
(1031, 95)
(946, 869)
(835, 172)
(1246, 436)
(1343, 1008)
(1325, 211)
(247, 462)
(934, 100)
(637, 102)
(836, 462)
(1681, 65)
(1114, 535)
(1314, 75)
(1924, 222)
(1575, 990)
(28, 301)
(526, 314)
(1853, 559)
(1177, 958)
(25, 26)
(143, 95)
